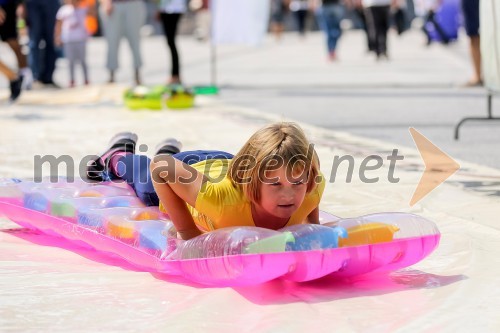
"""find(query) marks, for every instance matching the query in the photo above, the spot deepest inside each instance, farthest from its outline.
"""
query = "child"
(71, 32)
(272, 182)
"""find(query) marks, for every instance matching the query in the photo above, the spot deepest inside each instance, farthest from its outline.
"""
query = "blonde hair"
(280, 143)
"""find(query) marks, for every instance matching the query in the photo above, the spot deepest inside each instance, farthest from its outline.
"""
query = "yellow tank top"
(220, 204)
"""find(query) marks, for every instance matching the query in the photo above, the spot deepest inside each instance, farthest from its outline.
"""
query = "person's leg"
(475, 52)
(22, 62)
(331, 31)
(35, 23)
(321, 20)
(134, 15)
(15, 81)
(362, 17)
(70, 54)
(378, 30)
(381, 20)
(16, 48)
(50, 9)
(9, 32)
(335, 15)
(79, 49)
(98, 168)
(427, 19)
(385, 12)
(300, 18)
(134, 169)
(9, 73)
(470, 10)
(112, 32)
(277, 18)
(371, 28)
(170, 23)
(82, 56)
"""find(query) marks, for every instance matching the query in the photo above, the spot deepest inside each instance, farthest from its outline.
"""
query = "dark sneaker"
(15, 88)
(51, 84)
(168, 146)
(97, 169)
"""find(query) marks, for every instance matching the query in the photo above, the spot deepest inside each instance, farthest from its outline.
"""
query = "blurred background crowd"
(40, 31)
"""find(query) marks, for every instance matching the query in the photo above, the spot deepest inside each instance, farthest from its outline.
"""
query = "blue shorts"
(134, 169)
(470, 9)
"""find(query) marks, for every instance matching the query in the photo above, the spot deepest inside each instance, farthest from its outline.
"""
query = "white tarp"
(490, 43)
(239, 21)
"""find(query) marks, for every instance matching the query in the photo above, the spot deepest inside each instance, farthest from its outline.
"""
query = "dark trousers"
(41, 22)
(377, 21)
(134, 169)
(300, 17)
(169, 23)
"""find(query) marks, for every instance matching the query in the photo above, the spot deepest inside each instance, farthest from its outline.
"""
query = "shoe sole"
(170, 142)
(95, 172)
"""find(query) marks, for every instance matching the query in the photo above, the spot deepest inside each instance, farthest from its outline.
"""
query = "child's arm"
(176, 184)
(57, 33)
(313, 217)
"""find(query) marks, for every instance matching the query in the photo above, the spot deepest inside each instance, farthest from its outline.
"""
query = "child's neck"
(263, 219)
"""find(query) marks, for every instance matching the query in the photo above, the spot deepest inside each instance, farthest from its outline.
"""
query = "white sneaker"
(27, 78)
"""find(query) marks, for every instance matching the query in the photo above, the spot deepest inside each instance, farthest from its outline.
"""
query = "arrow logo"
(438, 166)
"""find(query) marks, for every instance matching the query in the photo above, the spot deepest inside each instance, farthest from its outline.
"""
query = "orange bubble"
(146, 216)
(369, 233)
(119, 227)
(90, 193)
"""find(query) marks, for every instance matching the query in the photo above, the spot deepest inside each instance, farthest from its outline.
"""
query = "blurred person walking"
(470, 10)
(9, 34)
(377, 14)
(71, 32)
(123, 18)
(300, 9)
(41, 21)
(170, 13)
(278, 10)
(329, 13)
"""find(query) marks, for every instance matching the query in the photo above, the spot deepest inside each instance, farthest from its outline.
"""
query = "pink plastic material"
(240, 269)
(228, 257)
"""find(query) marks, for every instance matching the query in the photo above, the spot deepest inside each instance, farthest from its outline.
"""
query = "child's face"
(280, 195)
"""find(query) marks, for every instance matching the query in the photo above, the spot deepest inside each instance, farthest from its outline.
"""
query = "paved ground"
(419, 86)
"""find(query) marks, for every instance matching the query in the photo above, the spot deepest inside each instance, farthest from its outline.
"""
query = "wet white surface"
(48, 285)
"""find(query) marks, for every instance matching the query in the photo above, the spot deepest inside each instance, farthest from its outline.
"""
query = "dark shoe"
(168, 146)
(15, 88)
(97, 169)
(51, 84)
